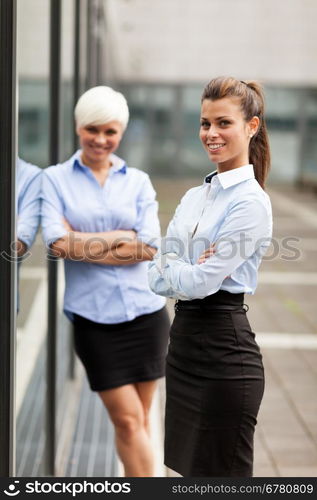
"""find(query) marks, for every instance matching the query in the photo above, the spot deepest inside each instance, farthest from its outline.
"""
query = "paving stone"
(299, 471)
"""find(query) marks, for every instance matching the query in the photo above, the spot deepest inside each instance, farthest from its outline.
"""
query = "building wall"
(188, 40)
(193, 40)
(161, 53)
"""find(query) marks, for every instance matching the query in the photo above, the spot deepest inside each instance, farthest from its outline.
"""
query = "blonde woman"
(101, 216)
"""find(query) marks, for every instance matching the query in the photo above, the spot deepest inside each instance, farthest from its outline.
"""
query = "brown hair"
(251, 99)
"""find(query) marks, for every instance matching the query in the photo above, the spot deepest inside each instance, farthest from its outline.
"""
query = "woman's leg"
(126, 410)
(146, 392)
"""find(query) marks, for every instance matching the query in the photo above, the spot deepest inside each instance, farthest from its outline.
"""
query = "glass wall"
(309, 143)
(283, 113)
(37, 133)
(64, 347)
(194, 159)
(33, 74)
(67, 79)
(162, 136)
(33, 146)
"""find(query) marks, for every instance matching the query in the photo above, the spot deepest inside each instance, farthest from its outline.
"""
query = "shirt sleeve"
(29, 207)
(245, 229)
(170, 246)
(157, 282)
(147, 224)
(52, 211)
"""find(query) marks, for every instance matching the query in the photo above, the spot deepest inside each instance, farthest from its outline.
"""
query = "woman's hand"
(67, 225)
(209, 252)
(93, 247)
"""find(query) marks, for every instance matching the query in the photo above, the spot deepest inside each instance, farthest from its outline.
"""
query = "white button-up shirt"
(230, 210)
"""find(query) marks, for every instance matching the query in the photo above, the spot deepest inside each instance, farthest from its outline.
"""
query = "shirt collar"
(232, 177)
(118, 165)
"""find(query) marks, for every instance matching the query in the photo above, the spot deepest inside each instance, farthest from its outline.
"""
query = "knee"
(127, 426)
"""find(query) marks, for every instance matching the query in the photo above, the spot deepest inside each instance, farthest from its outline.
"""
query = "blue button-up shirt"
(28, 181)
(102, 293)
(231, 210)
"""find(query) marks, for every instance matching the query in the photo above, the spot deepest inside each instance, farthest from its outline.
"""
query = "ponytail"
(259, 148)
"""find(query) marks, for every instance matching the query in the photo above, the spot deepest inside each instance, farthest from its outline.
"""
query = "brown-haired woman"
(208, 261)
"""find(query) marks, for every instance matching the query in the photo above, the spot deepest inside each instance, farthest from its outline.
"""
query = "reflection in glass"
(67, 80)
(64, 333)
(28, 204)
(195, 161)
(163, 139)
(32, 61)
(309, 147)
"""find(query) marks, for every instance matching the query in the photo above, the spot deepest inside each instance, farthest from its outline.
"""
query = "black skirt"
(214, 387)
(123, 353)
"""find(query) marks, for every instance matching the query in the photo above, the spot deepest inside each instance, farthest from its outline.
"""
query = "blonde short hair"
(100, 105)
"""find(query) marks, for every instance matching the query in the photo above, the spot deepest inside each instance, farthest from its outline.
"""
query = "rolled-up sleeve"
(157, 282)
(147, 224)
(169, 248)
(52, 211)
(245, 229)
(29, 207)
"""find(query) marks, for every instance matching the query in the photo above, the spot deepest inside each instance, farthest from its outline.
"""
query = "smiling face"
(225, 134)
(99, 141)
